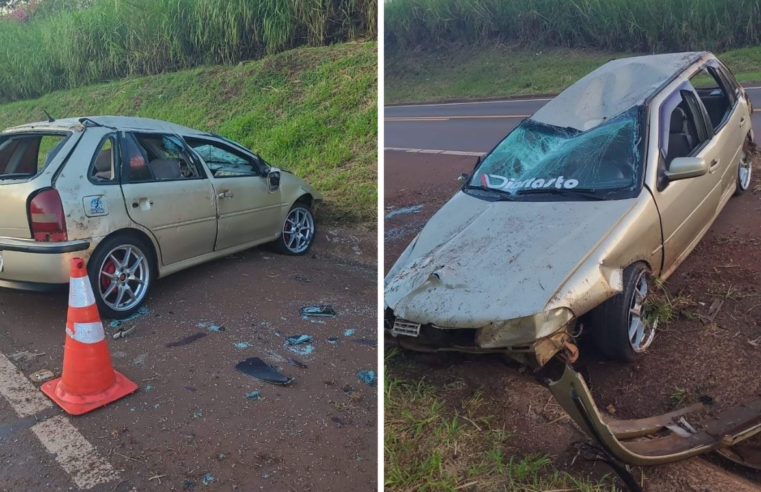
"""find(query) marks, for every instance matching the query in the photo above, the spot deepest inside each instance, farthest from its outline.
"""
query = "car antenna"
(50, 118)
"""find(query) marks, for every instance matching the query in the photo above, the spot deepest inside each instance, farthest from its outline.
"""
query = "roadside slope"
(495, 70)
(312, 111)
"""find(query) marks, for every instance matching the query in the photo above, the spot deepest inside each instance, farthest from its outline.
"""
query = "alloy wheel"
(123, 277)
(641, 330)
(298, 230)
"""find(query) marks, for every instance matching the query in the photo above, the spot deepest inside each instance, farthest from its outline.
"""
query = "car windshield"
(537, 158)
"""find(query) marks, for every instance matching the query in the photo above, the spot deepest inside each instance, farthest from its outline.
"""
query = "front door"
(249, 211)
(687, 206)
(167, 191)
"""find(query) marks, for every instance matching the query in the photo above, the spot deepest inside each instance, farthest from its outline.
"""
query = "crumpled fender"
(621, 438)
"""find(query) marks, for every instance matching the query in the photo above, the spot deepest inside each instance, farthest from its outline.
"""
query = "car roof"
(119, 122)
(613, 88)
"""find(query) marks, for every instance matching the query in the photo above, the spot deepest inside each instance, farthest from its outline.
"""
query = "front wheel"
(620, 326)
(298, 232)
(121, 272)
(744, 170)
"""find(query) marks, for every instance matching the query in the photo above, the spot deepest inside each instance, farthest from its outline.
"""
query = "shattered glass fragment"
(349, 332)
(241, 345)
(368, 377)
(254, 395)
(404, 211)
(333, 340)
(298, 339)
(139, 314)
(257, 368)
(325, 311)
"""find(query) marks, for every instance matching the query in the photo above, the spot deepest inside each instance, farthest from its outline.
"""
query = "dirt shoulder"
(688, 360)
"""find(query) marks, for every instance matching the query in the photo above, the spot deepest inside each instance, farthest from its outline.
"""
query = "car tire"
(292, 242)
(106, 262)
(614, 320)
(744, 169)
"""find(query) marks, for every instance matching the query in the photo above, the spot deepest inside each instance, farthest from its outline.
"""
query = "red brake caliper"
(109, 268)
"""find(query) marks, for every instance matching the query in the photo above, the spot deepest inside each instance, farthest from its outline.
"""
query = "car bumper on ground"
(663, 438)
(32, 265)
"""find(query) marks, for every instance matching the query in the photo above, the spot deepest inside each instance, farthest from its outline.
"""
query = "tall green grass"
(616, 25)
(116, 38)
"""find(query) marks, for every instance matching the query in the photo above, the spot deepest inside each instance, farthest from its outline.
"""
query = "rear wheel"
(121, 272)
(744, 170)
(298, 232)
(620, 326)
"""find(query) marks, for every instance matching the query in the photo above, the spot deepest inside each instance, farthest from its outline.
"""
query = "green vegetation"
(436, 442)
(457, 73)
(64, 46)
(310, 110)
(612, 25)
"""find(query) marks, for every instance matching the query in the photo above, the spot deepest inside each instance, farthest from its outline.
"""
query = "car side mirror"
(273, 180)
(463, 178)
(686, 167)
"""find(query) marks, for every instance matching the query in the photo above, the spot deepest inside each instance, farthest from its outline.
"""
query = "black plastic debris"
(370, 342)
(257, 368)
(296, 363)
(186, 340)
(298, 339)
(190, 388)
(299, 278)
(333, 340)
(348, 389)
(338, 420)
(324, 311)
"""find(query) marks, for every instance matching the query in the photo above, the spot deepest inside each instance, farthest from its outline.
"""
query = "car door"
(687, 206)
(249, 209)
(167, 191)
(728, 123)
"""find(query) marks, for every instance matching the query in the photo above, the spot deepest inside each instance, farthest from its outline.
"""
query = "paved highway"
(471, 127)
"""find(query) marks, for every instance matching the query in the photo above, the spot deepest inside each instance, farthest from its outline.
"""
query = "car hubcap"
(298, 230)
(744, 172)
(641, 331)
(124, 277)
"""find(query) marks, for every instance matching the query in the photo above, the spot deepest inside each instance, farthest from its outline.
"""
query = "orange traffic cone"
(88, 380)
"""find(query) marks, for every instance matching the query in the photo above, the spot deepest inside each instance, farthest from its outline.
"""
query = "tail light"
(47, 218)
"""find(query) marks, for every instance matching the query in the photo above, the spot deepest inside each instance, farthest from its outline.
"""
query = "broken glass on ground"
(139, 314)
(298, 339)
(257, 368)
(185, 341)
(333, 340)
(322, 311)
(404, 211)
(368, 377)
(254, 395)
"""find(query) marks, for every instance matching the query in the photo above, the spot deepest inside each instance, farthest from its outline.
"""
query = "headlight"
(523, 330)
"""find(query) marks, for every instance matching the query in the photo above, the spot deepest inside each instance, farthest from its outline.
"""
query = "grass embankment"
(60, 46)
(610, 25)
(475, 72)
(434, 442)
(310, 110)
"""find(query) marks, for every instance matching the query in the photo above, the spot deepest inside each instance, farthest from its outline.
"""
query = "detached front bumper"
(31, 265)
(642, 442)
(520, 343)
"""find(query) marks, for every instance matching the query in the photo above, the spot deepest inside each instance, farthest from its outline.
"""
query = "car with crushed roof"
(138, 199)
(565, 224)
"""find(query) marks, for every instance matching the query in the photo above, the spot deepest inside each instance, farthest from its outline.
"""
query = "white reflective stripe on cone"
(80, 292)
(87, 332)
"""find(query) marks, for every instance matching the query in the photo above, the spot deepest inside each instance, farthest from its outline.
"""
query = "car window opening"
(25, 156)
(104, 169)
(539, 156)
(711, 90)
(222, 160)
(159, 158)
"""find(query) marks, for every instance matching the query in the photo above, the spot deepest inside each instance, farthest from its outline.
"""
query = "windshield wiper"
(502, 195)
(16, 175)
(587, 193)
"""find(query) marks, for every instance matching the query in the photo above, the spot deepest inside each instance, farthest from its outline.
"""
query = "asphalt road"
(471, 126)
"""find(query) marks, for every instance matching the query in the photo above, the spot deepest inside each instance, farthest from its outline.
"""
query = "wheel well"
(306, 199)
(138, 234)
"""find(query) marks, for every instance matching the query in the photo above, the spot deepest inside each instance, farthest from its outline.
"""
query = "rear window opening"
(24, 156)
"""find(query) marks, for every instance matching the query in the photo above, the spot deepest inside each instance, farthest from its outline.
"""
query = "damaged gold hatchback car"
(611, 184)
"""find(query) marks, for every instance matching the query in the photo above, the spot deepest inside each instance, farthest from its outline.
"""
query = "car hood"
(478, 262)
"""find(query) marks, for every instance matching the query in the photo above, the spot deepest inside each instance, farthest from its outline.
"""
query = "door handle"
(714, 166)
(742, 121)
(225, 194)
(143, 203)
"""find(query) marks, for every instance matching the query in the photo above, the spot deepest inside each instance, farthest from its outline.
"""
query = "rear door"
(249, 211)
(27, 163)
(687, 206)
(167, 191)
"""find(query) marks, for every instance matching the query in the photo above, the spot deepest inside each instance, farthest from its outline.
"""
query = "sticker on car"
(95, 206)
